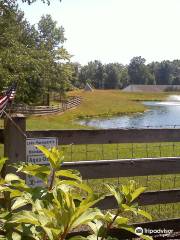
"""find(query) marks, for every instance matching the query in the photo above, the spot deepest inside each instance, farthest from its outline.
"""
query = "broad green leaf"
(121, 220)
(137, 192)
(34, 168)
(25, 217)
(3, 237)
(15, 193)
(38, 205)
(115, 192)
(43, 219)
(79, 185)
(48, 232)
(4, 188)
(16, 236)
(125, 190)
(69, 174)
(68, 202)
(48, 213)
(54, 156)
(131, 208)
(95, 226)
(11, 177)
(94, 237)
(2, 162)
(19, 202)
(145, 214)
(86, 217)
(55, 232)
(90, 201)
(4, 215)
(108, 217)
(2, 181)
(40, 171)
(43, 149)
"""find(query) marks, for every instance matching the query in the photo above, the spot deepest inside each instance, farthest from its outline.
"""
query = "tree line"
(118, 76)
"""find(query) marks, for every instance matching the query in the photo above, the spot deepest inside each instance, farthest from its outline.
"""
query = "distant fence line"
(71, 102)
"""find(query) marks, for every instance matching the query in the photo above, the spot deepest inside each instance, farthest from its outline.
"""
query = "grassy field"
(100, 103)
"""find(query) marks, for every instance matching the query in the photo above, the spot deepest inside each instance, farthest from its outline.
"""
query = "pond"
(163, 114)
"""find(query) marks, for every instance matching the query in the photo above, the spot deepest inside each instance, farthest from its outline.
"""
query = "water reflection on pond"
(159, 114)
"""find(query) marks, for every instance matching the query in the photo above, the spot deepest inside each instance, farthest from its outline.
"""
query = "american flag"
(8, 97)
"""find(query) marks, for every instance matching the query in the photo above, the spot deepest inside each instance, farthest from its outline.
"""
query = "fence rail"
(147, 198)
(44, 110)
(110, 136)
(126, 168)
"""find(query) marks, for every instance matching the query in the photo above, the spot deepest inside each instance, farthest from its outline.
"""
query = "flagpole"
(13, 122)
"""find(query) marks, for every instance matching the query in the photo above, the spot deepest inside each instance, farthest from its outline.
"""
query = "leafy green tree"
(75, 79)
(93, 72)
(31, 56)
(124, 77)
(18, 61)
(51, 39)
(176, 72)
(138, 72)
(83, 75)
(113, 74)
(163, 73)
(50, 35)
(108, 76)
(111, 78)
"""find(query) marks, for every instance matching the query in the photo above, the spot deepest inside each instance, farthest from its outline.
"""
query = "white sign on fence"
(35, 156)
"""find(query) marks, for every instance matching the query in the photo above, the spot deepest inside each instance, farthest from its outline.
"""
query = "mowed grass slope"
(99, 103)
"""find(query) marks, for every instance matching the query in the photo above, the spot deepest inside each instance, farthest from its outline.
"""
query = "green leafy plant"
(125, 196)
(60, 204)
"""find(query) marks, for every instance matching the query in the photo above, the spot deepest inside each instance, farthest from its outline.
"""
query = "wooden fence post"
(14, 140)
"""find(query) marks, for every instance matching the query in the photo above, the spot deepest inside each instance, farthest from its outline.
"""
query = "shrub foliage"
(61, 204)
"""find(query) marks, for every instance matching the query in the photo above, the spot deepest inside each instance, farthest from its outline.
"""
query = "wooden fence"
(126, 167)
(15, 150)
(44, 110)
(107, 168)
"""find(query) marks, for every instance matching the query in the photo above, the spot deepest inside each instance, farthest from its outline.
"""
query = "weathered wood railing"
(44, 110)
(110, 136)
(109, 168)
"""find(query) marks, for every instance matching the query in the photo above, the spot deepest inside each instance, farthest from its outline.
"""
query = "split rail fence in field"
(71, 102)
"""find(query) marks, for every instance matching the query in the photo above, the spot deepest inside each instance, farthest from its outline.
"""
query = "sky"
(115, 30)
